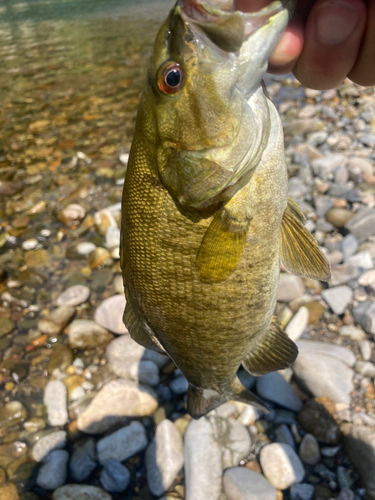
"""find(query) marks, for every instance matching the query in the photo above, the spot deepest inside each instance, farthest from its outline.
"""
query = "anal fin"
(201, 401)
(274, 351)
(300, 252)
(222, 246)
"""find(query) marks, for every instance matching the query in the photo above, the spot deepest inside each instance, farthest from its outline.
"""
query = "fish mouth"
(226, 27)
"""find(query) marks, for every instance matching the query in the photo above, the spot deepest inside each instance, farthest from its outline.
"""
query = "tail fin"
(201, 401)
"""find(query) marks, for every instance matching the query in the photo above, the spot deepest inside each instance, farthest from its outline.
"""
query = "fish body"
(205, 209)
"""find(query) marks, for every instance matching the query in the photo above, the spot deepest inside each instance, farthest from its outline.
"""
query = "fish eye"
(171, 78)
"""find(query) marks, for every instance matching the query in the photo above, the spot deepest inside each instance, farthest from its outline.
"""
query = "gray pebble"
(330, 350)
(338, 298)
(53, 472)
(115, 477)
(179, 385)
(349, 246)
(46, 444)
(55, 401)
(309, 451)
(83, 460)
(301, 491)
(362, 260)
(281, 465)
(80, 492)
(86, 334)
(283, 435)
(110, 312)
(123, 443)
(274, 388)
(364, 314)
(365, 348)
(56, 321)
(362, 225)
(244, 484)
(290, 288)
(73, 296)
(352, 332)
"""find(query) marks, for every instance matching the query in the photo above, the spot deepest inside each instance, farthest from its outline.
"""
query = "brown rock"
(8, 491)
(6, 326)
(21, 221)
(56, 321)
(318, 417)
(339, 216)
(98, 257)
(315, 311)
(37, 258)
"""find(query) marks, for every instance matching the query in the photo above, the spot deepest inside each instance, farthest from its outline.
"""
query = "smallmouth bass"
(206, 217)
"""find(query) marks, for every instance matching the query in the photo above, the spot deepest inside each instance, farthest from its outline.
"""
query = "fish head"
(205, 59)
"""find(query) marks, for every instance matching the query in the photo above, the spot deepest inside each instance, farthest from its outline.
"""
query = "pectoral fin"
(300, 252)
(222, 246)
(274, 351)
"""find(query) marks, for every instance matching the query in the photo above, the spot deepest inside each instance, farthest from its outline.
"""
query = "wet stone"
(55, 400)
(37, 258)
(115, 477)
(110, 312)
(98, 257)
(122, 444)
(56, 321)
(53, 472)
(281, 465)
(80, 492)
(87, 334)
(274, 388)
(83, 460)
(318, 417)
(301, 491)
(233, 438)
(309, 451)
(6, 326)
(12, 413)
(61, 358)
(114, 402)
(179, 385)
(71, 215)
(164, 458)
(73, 296)
(52, 441)
(244, 484)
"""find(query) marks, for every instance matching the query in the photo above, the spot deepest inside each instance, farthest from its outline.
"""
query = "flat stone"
(203, 468)
(290, 288)
(80, 492)
(48, 443)
(110, 312)
(349, 246)
(88, 334)
(309, 451)
(164, 458)
(130, 360)
(365, 348)
(338, 298)
(362, 225)
(281, 465)
(83, 460)
(364, 314)
(298, 324)
(122, 444)
(318, 417)
(301, 491)
(6, 326)
(331, 350)
(115, 477)
(360, 444)
(324, 376)
(55, 401)
(274, 388)
(114, 402)
(56, 321)
(73, 296)
(352, 332)
(244, 484)
(53, 472)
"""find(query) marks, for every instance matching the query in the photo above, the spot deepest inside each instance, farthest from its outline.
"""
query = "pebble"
(362, 225)
(243, 484)
(55, 401)
(56, 321)
(281, 465)
(363, 260)
(110, 312)
(98, 258)
(283, 435)
(114, 476)
(339, 217)
(87, 334)
(298, 324)
(330, 350)
(309, 451)
(364, 314)
(12, 413)
(115, 401)
(164, 458)
(360, 444)
(274, 388)
(352, 332)
(122, 444)
(318, 417)
(53, 472)
(60, 359)
(301, 491)
(71, 215)
(73, 296)
(368, 279)
(83, 460)
(365, 348)
(365, 368)
(249, 415)
(8, 491)
(6, 326)
(349, 246)
(48, 443)
(290, 288)
(203, 467)
(85, 248)
(233, 438)
(179, 385)
(112, 237)
(80, 492)
(338, 298)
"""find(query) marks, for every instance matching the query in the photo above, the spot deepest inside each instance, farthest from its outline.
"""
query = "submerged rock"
(244, 484)
(122, 444)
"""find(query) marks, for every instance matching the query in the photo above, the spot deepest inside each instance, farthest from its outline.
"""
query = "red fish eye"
(171, 78)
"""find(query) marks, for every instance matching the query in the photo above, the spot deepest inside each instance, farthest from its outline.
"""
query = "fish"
(205, 213)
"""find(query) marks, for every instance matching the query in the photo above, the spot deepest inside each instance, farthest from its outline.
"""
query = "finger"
(288, 49)
(363, 71)
(333, 34)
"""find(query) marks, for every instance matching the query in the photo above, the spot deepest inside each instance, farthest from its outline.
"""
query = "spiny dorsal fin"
(222, 247)
(274, 351)
(300, 253)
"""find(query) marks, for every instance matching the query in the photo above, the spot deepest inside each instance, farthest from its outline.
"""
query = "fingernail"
(335, 22)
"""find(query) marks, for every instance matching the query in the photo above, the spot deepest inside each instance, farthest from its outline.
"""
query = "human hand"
(325, 42)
